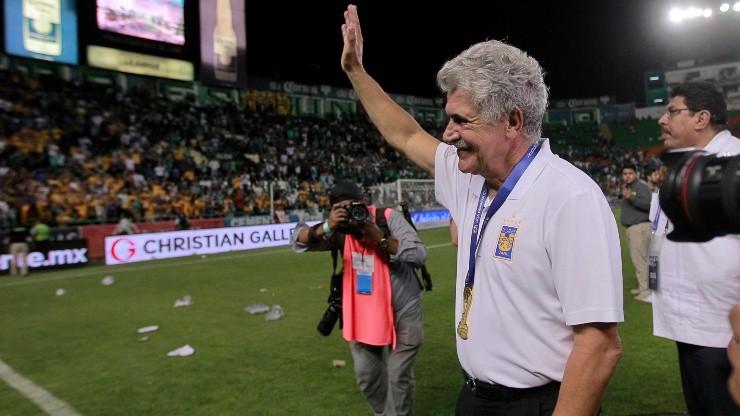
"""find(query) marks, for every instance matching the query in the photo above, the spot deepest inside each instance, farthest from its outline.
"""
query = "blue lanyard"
(498, 200)
(657, 219)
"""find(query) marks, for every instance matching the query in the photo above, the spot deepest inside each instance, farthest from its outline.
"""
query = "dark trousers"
(704, 374)
(504, 401)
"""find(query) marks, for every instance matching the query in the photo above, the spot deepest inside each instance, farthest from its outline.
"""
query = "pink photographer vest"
(368, 318)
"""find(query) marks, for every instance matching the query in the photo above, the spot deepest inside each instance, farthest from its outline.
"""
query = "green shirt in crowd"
(41, 232)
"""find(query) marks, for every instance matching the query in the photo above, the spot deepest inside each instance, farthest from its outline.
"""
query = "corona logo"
(123, 249)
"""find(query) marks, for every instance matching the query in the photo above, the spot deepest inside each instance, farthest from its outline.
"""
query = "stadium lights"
(725, 7)
(680, 14)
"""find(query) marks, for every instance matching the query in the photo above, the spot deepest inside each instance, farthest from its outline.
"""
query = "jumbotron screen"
(158, 20)
(157, 38)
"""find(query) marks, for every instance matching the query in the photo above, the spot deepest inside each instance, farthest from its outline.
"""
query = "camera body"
(333, 312)
(701, 194)
(358, 211)
(329, 319)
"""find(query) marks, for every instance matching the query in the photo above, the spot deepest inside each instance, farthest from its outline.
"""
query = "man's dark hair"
(703, 95)
(345, 189)
(629, 165)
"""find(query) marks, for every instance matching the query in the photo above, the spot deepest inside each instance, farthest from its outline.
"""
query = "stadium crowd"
(75, 152)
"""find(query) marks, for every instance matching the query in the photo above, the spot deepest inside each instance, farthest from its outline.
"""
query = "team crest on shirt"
(506, 239)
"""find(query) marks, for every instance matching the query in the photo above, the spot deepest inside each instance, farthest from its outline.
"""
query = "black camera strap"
(335, 284)
(337, 246)
(334, 255)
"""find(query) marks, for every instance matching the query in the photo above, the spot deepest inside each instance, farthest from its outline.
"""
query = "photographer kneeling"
(380, 294)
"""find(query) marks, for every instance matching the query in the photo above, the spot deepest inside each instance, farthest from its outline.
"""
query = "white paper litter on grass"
(275, 313)
(187, 300)
(150, 328)
(257, 308)
(183, 351)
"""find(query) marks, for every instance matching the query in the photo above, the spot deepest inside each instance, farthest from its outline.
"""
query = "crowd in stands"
(74, 152)
(601, 158)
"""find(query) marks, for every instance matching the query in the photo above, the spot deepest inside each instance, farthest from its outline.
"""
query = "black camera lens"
(358, 211)
(328, 320)
(701, 194)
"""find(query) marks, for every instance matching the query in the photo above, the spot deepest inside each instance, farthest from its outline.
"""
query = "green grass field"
(83, 348)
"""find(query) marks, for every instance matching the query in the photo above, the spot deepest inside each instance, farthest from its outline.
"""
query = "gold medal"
(462, 327)
(462, 330)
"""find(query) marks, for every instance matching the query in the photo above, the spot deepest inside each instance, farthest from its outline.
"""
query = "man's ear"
(703, 119)
(514, 122)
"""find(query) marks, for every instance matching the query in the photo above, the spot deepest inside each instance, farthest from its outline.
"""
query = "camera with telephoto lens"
(334, 310)
(358, 211)
(330, 318)
(701, 194)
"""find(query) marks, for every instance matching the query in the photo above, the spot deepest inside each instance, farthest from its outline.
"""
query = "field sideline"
(81, 354)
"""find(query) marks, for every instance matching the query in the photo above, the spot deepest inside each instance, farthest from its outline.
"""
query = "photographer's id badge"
(364, 266)
(365, 283)
(653, 272)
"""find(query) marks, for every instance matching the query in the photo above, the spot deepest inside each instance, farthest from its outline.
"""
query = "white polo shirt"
(558, 264)
(698, 283)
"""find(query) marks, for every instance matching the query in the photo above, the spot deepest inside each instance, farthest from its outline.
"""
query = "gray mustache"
(461, 145)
